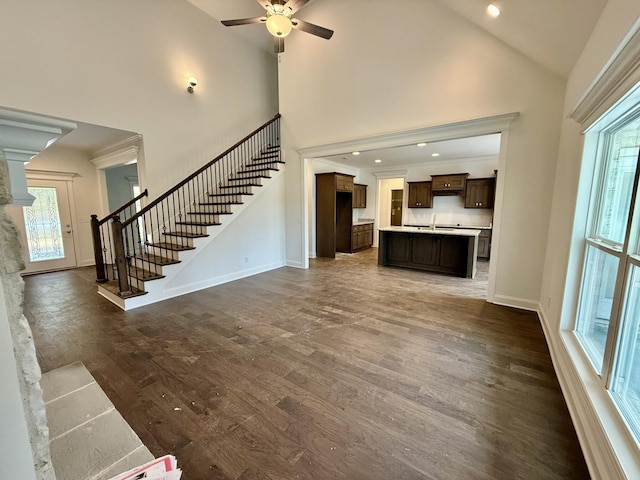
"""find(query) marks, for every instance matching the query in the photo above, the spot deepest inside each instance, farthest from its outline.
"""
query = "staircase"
(135, 246)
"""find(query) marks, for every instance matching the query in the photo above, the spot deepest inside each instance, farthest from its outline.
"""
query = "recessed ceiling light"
(493, 10)
(377, 160)
(355, 153)
(435, 154)
(422, 144)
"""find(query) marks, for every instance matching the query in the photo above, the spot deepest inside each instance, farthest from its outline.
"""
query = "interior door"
(396, 207)
(45, 227)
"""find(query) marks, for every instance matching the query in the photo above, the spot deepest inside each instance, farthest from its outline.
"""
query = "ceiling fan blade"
(311, 28)
(266, 4)
(278, 44)
(243, 21)
(295, 5)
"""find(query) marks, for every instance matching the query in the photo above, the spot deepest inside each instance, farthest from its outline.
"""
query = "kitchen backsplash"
(449, 211)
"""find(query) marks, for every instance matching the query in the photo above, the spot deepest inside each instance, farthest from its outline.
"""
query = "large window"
(608, 318)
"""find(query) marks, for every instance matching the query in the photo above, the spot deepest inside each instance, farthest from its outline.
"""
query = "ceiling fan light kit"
(279, 21)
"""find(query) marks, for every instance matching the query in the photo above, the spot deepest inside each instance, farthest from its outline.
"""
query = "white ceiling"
(91, 138)
(459, 149)
(550, 32)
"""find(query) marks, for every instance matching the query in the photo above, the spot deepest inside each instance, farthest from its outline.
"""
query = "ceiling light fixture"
(493, 10)
(355, 153)
(422, 144)
(192, 83)
(279, 24)
(435, 154)
(377, 160)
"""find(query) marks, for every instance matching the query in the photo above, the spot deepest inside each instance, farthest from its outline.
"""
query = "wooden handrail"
(128, 204)
(195, 174)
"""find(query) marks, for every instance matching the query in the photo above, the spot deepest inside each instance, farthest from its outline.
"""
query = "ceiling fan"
(279, 21)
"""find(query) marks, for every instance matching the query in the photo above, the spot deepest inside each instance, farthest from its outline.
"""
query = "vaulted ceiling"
(550, 32)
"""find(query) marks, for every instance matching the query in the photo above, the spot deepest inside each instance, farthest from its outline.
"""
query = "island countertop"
(438, 231)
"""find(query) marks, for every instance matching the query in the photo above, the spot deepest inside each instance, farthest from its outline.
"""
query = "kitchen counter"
(363, 222)
(438, 231)
(457, 225)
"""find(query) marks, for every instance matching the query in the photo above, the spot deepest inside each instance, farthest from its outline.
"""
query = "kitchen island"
(442, 250)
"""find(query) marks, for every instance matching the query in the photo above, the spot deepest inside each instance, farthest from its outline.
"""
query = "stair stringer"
(187, 276)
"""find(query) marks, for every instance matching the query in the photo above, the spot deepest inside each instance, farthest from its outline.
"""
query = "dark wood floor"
(343, 371)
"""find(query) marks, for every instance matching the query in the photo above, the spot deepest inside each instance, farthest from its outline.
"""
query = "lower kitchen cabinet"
(361, 236)
(484, 244)
(433, 252)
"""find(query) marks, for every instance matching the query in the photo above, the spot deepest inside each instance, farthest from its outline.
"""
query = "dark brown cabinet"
(419, 195)
(361, 236)
(484, 244)
(452, 184)
(479, 193)
(334, 213)
(359, 195)
(344, 183)
(451, 254)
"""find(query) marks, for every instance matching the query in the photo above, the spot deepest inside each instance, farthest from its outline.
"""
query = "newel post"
(101, 275)
(121, 260)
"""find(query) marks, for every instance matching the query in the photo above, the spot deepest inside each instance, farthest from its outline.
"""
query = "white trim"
(515, 302)
(390, 174)
(50, 175)
(609, 451)
(118, 157)
(620, 67)
(127, 143)
(296, 264)
(467, 128)
(22, 199)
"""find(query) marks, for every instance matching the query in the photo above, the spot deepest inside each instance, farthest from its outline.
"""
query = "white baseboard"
(599, 427)
(295, 264)
(515, 302)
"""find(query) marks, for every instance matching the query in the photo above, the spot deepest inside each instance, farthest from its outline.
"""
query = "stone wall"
(28, 370)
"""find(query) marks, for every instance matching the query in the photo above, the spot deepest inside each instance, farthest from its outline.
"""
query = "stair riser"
(244, 175)
(202, 218)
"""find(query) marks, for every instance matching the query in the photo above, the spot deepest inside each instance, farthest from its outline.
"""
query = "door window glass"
(42, 225)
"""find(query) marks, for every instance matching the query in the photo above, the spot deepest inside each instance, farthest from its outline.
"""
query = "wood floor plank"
(347, 370)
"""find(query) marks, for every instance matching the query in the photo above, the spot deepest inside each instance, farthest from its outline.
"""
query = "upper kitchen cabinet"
(419, 195)
(480, 193)
(359, 195)
(452, 184)
(344, 183)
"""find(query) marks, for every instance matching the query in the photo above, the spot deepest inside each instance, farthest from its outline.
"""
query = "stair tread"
(144, 274)
(261, 169)
(171, 246)
(211, 214)
(235, 179)
(185, 234)
(199, 224)
(158, 259)
(254, 163)
(228, 194)
(242, 185)
(221, 203)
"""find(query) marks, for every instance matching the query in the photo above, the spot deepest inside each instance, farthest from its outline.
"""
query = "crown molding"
(132, 141)
(622, 65)
(49, 175)
(450, 131)
(117, 157)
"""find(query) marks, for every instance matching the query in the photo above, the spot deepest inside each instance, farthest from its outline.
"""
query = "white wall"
(16, 460)
(85, 193)
(125, 65)
(119, 184)
(599, 427)
(424, 66)
(386, 186)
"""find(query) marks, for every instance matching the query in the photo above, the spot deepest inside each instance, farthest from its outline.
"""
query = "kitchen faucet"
(433, 226)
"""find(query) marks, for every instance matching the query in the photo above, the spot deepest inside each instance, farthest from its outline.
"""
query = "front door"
(45, 227)
(396, 207)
